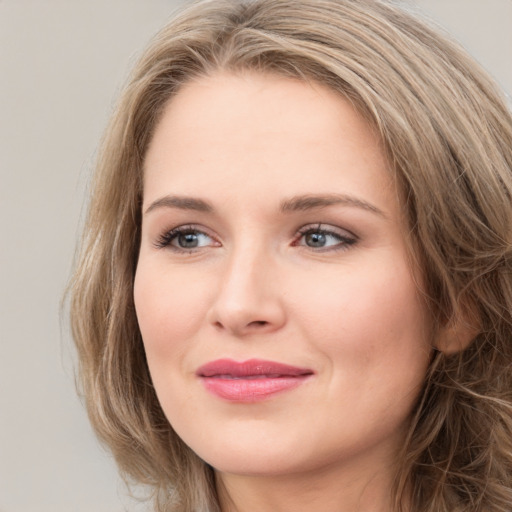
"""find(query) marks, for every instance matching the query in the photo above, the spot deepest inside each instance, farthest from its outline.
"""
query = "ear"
(460, 330)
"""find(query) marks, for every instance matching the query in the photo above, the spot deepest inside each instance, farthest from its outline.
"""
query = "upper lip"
(250, 368)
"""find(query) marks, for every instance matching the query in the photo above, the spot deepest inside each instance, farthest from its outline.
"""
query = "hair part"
(447, 134)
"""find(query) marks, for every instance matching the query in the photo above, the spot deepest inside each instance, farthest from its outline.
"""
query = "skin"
(256, 287)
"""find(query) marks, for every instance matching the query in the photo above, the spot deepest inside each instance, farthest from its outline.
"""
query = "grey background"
(61, 65)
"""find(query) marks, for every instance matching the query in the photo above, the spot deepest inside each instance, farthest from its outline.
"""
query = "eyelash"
(344, 240)
(166, 239)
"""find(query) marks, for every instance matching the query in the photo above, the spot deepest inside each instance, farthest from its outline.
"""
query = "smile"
(250, 381)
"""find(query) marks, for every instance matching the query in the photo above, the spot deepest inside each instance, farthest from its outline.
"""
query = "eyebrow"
(294, 204)
(310, 202)
(181, 203)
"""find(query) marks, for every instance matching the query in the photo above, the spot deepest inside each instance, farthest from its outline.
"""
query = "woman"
(294, 288)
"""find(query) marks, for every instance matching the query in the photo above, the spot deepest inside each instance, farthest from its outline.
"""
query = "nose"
(248, 299)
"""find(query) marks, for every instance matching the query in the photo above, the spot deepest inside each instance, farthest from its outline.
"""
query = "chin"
(255, 463)
(249, 451)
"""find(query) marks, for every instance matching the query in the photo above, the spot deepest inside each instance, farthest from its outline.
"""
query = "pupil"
(188, 240)
(315, 239)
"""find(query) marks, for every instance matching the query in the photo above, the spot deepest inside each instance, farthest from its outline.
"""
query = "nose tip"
(247, 301)
(242, 319)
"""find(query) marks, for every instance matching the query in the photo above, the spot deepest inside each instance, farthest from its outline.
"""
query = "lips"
(250, 381)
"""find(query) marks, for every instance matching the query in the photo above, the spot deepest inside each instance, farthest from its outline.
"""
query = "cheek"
(169, 307)
(169, 311)
(369, 318)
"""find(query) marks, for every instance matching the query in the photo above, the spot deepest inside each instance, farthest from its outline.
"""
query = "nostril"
(258, 323)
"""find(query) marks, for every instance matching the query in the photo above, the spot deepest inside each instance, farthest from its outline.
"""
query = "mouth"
(250, 381)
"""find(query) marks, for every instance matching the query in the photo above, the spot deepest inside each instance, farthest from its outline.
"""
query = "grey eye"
(316, 239)
(319, 239)
(326, 238)
(190, 240)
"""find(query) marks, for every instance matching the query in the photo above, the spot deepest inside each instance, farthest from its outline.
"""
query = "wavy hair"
(447, 133)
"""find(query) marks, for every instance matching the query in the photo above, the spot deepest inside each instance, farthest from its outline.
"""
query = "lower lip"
(251, 390)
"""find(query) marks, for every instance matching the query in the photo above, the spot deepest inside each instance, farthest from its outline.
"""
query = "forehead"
(263, 133)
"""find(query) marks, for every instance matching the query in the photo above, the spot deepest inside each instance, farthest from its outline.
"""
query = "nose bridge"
(244, 283)
(247, 298)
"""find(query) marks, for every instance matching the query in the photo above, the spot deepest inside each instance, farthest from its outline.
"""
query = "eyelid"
(326, 228)
(346, 237)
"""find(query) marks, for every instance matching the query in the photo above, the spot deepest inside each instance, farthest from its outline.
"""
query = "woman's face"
(281, 320)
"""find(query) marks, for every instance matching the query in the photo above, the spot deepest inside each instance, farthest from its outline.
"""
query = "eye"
(326, 238)
(190, 240)
(185, 238)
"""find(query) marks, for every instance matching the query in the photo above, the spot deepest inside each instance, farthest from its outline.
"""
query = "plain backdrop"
(62, 63)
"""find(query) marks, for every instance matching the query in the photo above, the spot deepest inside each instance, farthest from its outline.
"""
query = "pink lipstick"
(250, 381)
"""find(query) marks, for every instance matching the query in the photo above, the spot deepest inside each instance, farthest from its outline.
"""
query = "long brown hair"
(448, 137)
